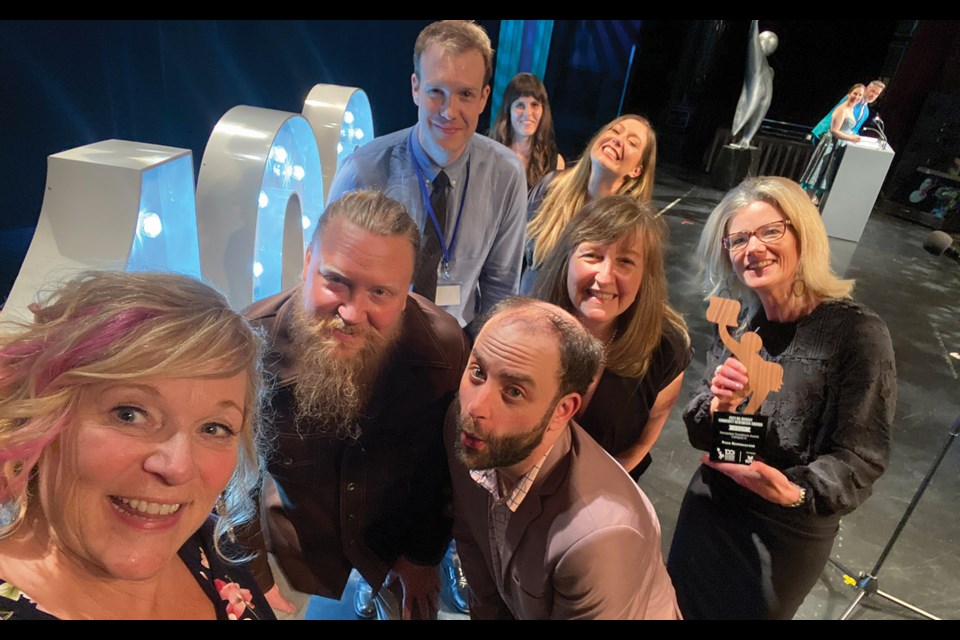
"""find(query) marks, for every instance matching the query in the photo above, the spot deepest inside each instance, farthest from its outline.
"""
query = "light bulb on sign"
(278, 154)
(150, 224)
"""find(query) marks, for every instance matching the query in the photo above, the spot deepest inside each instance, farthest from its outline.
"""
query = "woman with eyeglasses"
(751, 540)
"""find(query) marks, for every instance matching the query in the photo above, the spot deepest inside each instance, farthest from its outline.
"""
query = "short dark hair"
(456, 37)
(374, 212)
(581, 355)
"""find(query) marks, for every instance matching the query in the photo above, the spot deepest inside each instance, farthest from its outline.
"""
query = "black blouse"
(230, 587)
(830, 423)
(620, 407)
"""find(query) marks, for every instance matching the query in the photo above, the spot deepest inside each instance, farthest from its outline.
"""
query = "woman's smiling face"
(766, 267)
(139, 469)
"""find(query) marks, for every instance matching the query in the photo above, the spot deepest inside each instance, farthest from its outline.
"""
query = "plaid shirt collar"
(487, 478)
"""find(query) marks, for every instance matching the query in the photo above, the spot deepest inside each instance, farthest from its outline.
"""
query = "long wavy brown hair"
(642, 325)
(543, 148)
(567, 194)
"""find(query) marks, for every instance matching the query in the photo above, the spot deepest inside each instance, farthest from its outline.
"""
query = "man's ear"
(415, 89)
(306, 261)
(566, 408)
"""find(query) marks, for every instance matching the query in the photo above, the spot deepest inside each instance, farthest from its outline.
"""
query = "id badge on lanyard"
(448, 288)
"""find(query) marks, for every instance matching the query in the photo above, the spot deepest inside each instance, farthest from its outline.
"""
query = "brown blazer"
(329, 505)
(583, 544)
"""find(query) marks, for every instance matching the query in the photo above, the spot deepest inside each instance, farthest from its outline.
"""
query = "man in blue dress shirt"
(451, 179)
(479, 203)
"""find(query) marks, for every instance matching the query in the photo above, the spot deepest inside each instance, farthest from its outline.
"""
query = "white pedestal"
(854, 191)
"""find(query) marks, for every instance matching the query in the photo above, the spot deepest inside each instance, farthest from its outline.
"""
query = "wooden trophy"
(739, 436)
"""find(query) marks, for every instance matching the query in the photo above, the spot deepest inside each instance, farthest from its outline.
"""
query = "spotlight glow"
(150, 224)
(339, 147)
(348, 117)
(257, 269)
(263, 201)
(298, 172)
(305, 221)
(359, 134)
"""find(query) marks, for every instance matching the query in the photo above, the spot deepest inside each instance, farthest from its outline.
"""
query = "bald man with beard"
(548, 525)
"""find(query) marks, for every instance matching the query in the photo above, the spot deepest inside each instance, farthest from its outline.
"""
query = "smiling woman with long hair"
(524, 123)
(129, 411)
(608, 270)
(822, 168)
(751, 540)
(620, 159)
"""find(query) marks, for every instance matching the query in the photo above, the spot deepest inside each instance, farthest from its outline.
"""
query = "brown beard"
(500, 451)
(332, 389)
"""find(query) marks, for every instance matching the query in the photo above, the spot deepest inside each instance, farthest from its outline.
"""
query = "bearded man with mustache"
(548, 525)
(365, 371)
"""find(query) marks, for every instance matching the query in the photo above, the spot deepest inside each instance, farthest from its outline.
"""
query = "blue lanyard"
(447, 251)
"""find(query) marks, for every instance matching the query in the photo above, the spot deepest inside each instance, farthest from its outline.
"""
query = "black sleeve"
(855, 445)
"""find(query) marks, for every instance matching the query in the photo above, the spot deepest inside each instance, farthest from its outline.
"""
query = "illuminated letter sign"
(261, 189)
(113, 204)
(259, 195)
(341, 121)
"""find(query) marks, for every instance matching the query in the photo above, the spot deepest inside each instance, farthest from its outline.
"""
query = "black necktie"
(425, 278)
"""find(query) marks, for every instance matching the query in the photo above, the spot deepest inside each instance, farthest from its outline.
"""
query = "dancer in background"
(822, 168)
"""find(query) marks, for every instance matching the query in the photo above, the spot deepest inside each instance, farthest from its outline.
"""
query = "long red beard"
(333, 387)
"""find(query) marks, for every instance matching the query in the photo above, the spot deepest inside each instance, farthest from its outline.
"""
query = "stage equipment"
(878, 128)
(868, 584)
(341, 120)
(114, 204)
(846, 207)
(259, 196)
(939, 243)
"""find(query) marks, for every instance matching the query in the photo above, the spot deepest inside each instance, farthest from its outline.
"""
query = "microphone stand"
(879, 129)
(868, 584)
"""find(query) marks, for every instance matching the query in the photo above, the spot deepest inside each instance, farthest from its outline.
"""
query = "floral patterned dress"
(230, 587)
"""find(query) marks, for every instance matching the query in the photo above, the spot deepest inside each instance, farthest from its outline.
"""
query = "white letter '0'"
(259, 196)
(341, 120)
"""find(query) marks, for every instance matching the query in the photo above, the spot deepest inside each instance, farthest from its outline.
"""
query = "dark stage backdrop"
(71, 83)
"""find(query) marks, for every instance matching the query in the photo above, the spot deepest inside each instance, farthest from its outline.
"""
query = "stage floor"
(918, 295)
